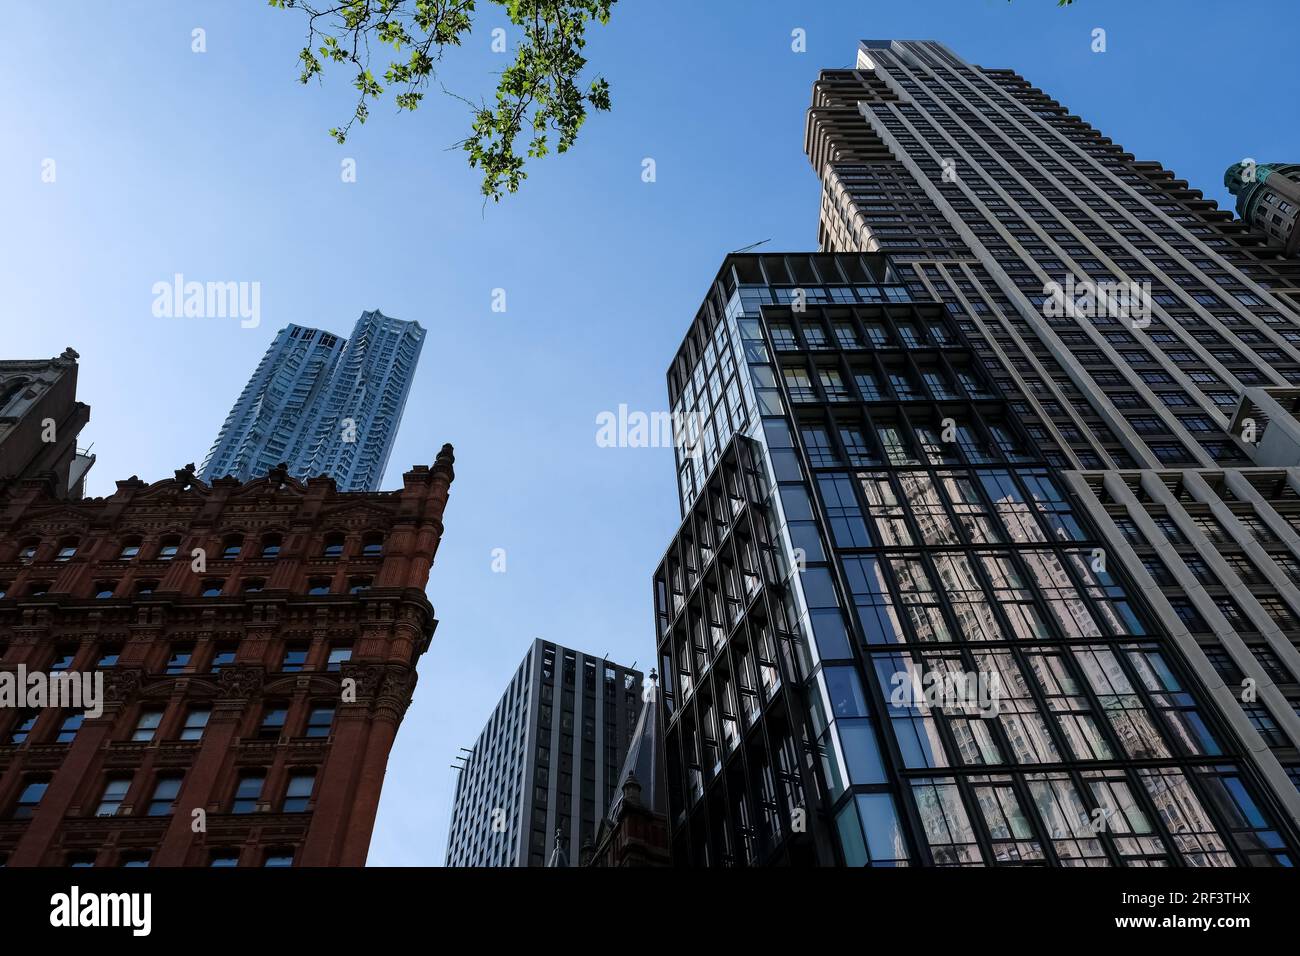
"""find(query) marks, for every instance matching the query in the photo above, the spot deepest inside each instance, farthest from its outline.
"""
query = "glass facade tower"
(322, 405)
(981, 562)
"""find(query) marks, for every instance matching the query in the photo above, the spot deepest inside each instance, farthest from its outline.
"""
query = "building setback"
(911, 461)
(322, 405)
(546, 767)
(250, 698)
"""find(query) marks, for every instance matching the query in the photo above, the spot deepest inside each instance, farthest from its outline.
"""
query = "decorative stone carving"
(121, 684)
(240, 681)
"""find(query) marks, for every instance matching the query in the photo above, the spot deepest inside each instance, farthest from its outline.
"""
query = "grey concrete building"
(545, 768)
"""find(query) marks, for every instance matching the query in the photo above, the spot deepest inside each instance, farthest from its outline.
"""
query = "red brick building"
(257, 642)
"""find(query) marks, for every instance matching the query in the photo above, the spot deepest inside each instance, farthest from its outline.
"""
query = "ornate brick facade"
(40, 420)
(258, 644)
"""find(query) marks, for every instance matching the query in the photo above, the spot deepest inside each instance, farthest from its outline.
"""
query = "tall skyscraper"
(545, 768)
(322, 405)
(40, 420)
(245, 709)
(989, 551)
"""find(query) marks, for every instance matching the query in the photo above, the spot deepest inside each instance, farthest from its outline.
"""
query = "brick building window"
(114, 793)
(273, 718)
(338, 654)
(146, 726)
(196, 720)
(68, 729)
(320, 720)
(298, 792)
(223, 656)
(30, 798)
(180, 658)
(295, 656)
(23, 725)
(248, 791)
(165, 790)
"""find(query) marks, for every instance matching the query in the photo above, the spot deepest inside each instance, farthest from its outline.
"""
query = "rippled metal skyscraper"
(322, 405)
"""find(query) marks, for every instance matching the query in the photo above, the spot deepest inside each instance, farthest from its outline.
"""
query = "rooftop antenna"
(752, 245)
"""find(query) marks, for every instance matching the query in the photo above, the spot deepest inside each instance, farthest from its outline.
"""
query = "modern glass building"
(546, 767)
(984, 562)
(322, 405)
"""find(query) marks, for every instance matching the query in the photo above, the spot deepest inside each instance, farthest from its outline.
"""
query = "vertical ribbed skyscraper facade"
(990, 549)
(546, 767)
(322, 405)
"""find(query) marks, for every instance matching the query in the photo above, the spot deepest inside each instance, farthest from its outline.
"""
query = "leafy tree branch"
(540, 97)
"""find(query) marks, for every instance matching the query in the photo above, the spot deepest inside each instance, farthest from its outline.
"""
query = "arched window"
(27, 552)
(168, 547)
(372, 545)
(271, 546)
(253, 585)
(130, 548)
(67, 549)
(212, 588)
(357, 585)
(318, 586)
(105, 589)
(145, 587)
(334, 542)
(10, 389)
(231, 546)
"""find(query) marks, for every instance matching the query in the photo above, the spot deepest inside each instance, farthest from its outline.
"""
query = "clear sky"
(217, 166)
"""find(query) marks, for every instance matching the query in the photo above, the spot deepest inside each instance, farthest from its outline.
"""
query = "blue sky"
(217, 166)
